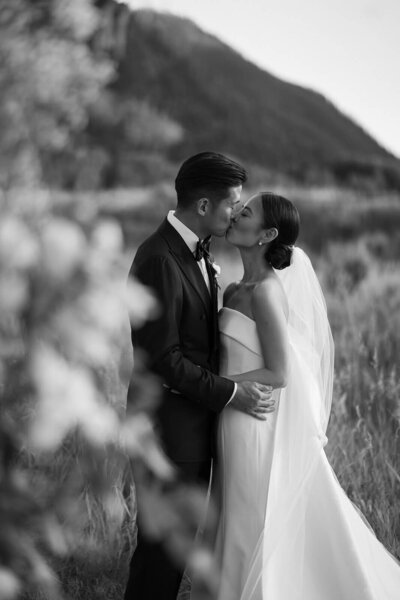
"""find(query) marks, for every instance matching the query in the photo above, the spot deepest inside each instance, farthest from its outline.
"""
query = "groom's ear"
(202, 206)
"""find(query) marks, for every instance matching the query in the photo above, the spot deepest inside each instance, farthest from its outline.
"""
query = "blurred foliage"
(367, 174)
(49, 77)
(56, 59)
(327, 213)
(74, 461)
(60, 118)
(345, 214)
(63, 309)
(67, 446)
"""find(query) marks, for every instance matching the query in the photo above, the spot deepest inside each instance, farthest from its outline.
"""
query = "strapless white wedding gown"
(287, 530)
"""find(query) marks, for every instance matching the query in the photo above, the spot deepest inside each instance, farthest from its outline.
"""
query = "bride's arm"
(269, 315)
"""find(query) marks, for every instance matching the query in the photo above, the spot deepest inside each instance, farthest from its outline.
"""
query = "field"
(354, 242)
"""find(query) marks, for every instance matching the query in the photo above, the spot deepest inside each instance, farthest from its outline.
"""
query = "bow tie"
(203, 249)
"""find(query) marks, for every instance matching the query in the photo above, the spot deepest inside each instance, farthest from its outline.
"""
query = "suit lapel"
(214, 301)
(213, 286)
(187, 263)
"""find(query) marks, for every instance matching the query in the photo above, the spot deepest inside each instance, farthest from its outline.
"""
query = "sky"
(348, 50)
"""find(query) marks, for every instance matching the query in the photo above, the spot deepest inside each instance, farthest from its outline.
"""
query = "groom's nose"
(236, 212)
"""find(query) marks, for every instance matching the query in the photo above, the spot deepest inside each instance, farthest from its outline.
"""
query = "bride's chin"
(232, 242)
(229, 236)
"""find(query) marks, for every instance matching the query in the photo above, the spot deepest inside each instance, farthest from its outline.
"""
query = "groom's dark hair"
(207, 174)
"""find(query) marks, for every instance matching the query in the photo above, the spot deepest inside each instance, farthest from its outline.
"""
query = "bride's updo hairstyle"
(283, 215)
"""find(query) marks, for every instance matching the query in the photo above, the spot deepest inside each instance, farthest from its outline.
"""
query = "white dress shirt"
(191, 239)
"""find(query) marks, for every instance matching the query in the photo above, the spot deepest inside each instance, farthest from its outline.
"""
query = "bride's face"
(247, 228)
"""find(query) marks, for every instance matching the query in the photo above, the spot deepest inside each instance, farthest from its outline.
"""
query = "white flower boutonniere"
(217, 272)
(217, 269)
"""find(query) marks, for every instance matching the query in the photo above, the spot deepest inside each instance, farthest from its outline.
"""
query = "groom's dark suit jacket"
(182, 345)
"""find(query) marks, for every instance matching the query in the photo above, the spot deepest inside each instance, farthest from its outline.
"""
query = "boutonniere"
(216, 270)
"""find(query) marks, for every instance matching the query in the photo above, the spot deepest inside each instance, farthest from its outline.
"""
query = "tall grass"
(364, 431)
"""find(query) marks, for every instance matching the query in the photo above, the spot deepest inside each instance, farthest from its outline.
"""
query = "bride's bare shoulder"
(269, 295)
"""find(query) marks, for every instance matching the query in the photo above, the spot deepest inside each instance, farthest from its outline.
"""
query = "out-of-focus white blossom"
(94, 348)
(201, 562)
(100, 424)
(13, 291)
(42, 572)
(115, 506)
(202, 568)
(138, 439)
(107, 237)
(216, 268)
(134, 431)
(140, 302)
(79, 17)
(71, 347)
(83, 341)
(63, 301)
(63, 248)
(19, 248)
(104, 308)
(54, 535)
(67, 398)
(9, 585)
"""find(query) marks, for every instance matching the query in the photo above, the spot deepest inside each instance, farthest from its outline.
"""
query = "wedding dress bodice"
(239, 342)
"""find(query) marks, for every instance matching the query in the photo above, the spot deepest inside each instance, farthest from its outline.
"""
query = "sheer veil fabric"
(302, 419)
(309, 326)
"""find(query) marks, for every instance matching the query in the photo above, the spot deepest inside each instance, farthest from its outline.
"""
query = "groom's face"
(221, 212)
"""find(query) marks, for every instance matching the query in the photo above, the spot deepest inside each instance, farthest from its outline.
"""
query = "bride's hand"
(254, 399)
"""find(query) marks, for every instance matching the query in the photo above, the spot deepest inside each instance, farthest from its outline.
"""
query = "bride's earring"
(260, 243)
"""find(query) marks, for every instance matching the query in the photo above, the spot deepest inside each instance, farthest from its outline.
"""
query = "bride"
(287, 530)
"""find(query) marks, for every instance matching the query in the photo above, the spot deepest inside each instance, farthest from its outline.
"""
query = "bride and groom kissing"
(250, 386)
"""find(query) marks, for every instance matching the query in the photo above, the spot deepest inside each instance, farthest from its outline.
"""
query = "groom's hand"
(254, 399)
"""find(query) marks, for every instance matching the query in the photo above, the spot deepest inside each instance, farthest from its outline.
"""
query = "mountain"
(205, 95)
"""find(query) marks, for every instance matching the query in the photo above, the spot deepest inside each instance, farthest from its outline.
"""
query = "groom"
(182, 345)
